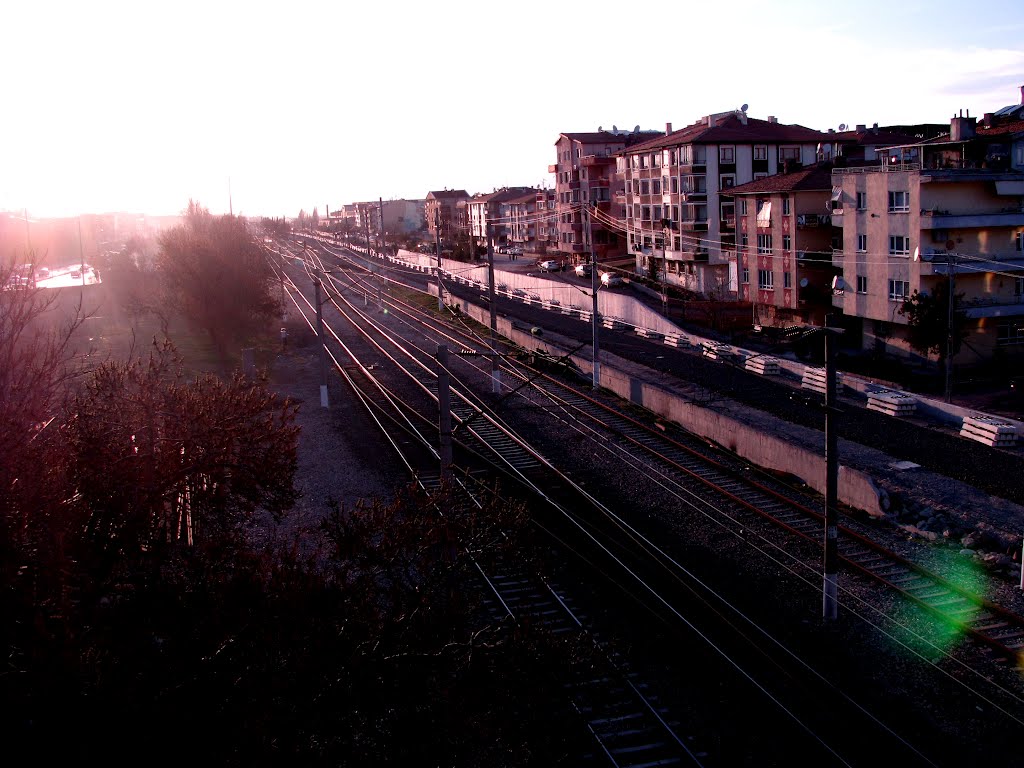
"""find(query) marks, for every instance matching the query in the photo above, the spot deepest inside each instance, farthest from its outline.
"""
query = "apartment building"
(784, 245)
(493, 210)
(440, 211)
(671, 193)
(585, 175)
(945, 211)
(523, 223)
(546, 220)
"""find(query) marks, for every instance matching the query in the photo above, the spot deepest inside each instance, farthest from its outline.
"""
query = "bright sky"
(138, 106)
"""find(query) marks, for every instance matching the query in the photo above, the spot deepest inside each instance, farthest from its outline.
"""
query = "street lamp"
(324, 403)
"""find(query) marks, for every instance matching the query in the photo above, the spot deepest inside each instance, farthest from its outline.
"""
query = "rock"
(967, 552)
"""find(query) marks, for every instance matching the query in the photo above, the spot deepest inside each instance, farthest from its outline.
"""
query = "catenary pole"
(444, 409)
(830, 600)
(594, 282)
(495, 361)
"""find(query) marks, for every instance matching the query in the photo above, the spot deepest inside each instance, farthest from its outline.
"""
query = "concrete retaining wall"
(856, 488)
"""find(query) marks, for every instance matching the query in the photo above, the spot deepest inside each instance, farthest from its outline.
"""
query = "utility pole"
(830, 599)
(444, 402)
(495, 362)
(322, 342)
(437, 240)
(949, 325)
(594, 282)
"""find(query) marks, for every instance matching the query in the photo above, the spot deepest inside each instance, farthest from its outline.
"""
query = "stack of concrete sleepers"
(766, 366)
(989, 430)
(714, 350)
(814, 379)
(891, 402)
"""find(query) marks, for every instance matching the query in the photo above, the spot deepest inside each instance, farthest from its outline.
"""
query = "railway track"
(689, 465)
(629, 727)
(993, 627)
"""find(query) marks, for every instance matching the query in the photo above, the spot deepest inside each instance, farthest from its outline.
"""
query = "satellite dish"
(599, 129)
(842, 127)
(615, 128)
(804, 282)
(917, 254)
(637, 129)
(744, 108)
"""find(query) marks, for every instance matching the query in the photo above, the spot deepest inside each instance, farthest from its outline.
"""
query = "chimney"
(986, 119)
(861, 127)
(962, 128)
(1022, 95)
(874, 128)
(668, 128)
(772, 119)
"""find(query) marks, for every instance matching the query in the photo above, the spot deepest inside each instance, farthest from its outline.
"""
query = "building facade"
(671, 193)
(585, 176)
(930, 217)
(440, 212)
(784, 247)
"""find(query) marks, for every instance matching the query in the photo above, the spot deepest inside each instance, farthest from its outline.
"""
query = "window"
(759, 176)
(765, 280)
(1020, 241)
(727, 154)
(728, 213)
(899, 202)
(787, 243)
(655, 159)
(898, 290)
(700, 154)
(862, 283)
(787, 279)
(1011, 332)
(862, 243)
(645, 213)
(746, 275)
(701, 212)
(727, 181)
(760, 151)
(785, 206)
(655, 186)
(764, 244)
(789, 153)
(675, 214)
(743, 207)
(899, 245)
(657, 213)
(1018, 286)
(645, 187)
(675, 185)
(744, 242)
(862, 201)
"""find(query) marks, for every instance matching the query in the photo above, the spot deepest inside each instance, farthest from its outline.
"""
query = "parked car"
(502, 249)
(515, 251)
(610, 280)
(550, 265)
(583, 270)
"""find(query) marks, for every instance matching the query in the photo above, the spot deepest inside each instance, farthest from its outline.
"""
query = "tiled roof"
(731, 130)
(870, 136)
(505, 195)
(1015, 126)
(607, 137)
(448, 193)
(813, 177)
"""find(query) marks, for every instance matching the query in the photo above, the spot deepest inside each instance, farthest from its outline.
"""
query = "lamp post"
(594, 282)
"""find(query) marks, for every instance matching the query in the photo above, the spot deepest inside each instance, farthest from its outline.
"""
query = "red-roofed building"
(585, 175)
(440, 211)
(671, 203)
(784, 246)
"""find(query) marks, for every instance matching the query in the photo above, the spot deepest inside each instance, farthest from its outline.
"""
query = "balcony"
(990, 306)
(590, 161)
(837, 258)
(813, 220)
(936, 219)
